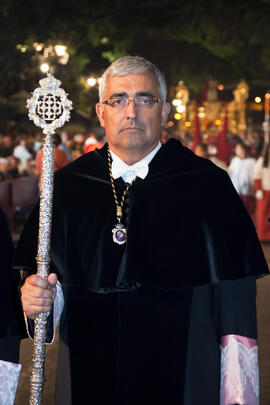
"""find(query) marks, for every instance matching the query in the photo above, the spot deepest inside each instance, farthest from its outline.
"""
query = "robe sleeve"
(235, 315)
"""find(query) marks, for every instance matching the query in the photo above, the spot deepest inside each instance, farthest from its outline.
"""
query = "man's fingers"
(37, 292)
(39, 302)
(52, 280)
(37, 281)
(36, 305)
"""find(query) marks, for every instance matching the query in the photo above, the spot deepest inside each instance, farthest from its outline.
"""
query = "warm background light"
(257, 99)
(44, 67)
(91, 81)
(60, 50)
(180, 108)
(177, 116)
(176, 102)
(220, 87)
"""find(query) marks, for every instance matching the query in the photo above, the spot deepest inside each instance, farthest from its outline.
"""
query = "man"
(157, 258)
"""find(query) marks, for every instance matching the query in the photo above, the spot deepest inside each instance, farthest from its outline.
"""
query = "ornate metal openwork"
(49, 106)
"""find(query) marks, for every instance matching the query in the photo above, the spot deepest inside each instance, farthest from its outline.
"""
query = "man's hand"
(37, 294)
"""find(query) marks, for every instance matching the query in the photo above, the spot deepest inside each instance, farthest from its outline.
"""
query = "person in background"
(60, 158)
(4, 163)
(22, 152)
(91, 143)
(64, 147)
(13, 168)
(77, 150)
(7, 146)
(241, 171)
(37, 142)
(202, 150)
(262, 193)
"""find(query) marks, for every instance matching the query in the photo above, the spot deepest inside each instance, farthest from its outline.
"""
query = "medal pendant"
(119, 234)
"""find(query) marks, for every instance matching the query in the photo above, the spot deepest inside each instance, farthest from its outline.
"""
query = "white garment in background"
(22, 153)
(241, 172)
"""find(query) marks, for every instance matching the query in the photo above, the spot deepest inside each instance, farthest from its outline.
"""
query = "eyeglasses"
(142, 102)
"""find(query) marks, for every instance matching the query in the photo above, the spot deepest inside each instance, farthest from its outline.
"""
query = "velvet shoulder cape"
(186, 226)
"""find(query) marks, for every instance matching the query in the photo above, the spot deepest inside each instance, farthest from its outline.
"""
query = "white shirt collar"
(129, 174)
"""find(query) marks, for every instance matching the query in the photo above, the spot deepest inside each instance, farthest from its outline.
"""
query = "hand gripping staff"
(49, 108)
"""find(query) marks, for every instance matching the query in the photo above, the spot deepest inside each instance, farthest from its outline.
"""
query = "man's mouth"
(131, 129)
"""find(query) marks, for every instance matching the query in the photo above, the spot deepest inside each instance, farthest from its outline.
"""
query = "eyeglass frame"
(155, 99)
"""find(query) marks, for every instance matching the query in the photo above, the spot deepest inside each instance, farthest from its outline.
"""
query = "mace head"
(49, 106)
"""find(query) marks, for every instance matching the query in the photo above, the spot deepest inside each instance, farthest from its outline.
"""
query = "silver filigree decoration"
(49, 106)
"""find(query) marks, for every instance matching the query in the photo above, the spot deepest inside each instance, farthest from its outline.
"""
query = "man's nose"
(131, 112)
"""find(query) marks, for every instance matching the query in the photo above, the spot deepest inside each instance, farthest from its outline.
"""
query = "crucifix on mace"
(49, 108)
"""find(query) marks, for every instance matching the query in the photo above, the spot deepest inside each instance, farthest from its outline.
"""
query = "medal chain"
(119, 207)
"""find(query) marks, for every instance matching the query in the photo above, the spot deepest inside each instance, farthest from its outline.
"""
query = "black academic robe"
(142, 320)
(11, 320)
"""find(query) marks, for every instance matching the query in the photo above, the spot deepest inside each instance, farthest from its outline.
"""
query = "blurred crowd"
(247, 161)
(20, 153)
(248, 165)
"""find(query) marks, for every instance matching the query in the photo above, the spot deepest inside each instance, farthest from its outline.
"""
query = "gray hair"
(132, 65)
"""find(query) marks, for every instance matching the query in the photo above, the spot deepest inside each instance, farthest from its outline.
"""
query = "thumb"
(52, 280)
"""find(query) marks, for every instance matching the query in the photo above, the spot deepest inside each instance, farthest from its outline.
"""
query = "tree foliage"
(189, 40)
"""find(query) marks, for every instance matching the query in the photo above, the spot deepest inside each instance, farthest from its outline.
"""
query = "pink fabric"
(239, 371)
(248, 342)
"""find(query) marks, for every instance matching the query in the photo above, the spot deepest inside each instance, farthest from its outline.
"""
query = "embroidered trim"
(239, 371)
(9, 377)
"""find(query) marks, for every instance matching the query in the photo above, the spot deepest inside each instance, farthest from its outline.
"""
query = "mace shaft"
(43, 262)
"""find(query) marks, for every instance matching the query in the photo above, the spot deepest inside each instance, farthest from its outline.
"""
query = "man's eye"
(118, 101)
(146, 101)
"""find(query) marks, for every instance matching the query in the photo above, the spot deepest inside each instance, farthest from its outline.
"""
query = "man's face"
(240, 152)
(132, 129)
(199, 151)
(7, 141)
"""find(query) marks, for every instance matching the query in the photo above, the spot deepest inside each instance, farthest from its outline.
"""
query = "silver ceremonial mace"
(49, 108)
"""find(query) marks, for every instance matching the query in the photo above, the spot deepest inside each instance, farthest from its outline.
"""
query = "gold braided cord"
(119, 207)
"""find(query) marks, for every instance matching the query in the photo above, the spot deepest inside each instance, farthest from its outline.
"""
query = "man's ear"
(166, 108)
(100, 113)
